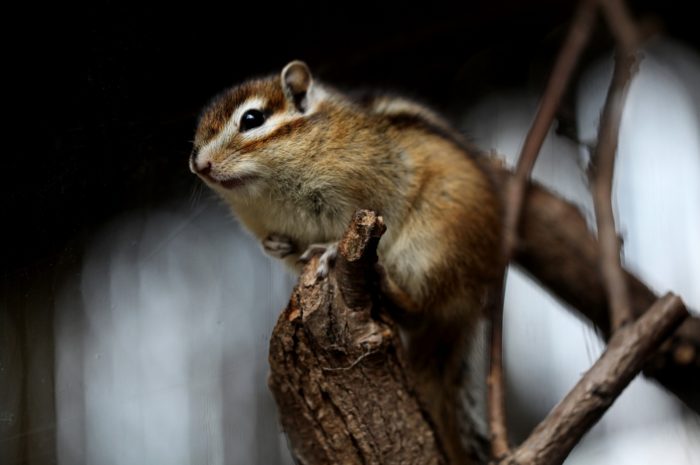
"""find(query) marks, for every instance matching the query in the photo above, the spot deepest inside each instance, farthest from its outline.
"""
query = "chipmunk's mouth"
(233, 182)
(238, 181)
(229, 183)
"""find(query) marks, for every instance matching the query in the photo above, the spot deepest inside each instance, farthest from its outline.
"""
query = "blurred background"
(135, 313)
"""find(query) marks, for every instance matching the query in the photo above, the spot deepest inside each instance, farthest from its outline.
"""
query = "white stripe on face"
(231, 128)
(274, 121)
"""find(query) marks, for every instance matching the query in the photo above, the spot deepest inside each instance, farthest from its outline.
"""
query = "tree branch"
(602, 169)
(630, 346)
(603, 162)
(620, 23)
(564, 66)
(557, 249)
(339, 375)
(495, 382)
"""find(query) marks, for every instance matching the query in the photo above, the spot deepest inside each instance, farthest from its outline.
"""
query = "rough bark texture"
(338, 374)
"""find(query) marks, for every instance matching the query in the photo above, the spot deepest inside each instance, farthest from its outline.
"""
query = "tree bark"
(338, 372)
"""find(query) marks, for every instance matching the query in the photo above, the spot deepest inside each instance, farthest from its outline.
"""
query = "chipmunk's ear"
(296, 82)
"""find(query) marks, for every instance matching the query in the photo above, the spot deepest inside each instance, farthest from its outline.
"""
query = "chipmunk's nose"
(201, 167)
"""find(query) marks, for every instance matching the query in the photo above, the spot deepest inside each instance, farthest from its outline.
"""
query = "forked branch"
(624, 357)
(516, 189)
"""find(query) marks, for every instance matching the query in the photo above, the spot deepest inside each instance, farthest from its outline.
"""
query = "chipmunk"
(295, 158)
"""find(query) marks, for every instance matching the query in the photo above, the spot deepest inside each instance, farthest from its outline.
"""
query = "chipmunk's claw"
(278, 245)
(328, 252)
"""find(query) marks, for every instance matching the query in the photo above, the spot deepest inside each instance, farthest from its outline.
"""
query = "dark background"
(105, 97)
(103, 100)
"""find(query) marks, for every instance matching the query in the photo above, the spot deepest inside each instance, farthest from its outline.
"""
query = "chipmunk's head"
(256, 130)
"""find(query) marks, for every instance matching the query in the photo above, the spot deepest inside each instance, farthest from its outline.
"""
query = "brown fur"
(315, 167)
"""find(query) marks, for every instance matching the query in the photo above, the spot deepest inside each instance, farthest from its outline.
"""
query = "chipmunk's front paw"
(328, 253)
(278, 245)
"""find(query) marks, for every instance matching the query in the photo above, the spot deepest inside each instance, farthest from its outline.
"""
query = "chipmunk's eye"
(252, 119)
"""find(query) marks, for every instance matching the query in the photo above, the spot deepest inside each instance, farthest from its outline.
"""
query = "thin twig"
(628, 350)
(564, 66)
(603, 163)
(602, 177)
(621, 24)
(495, 381)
